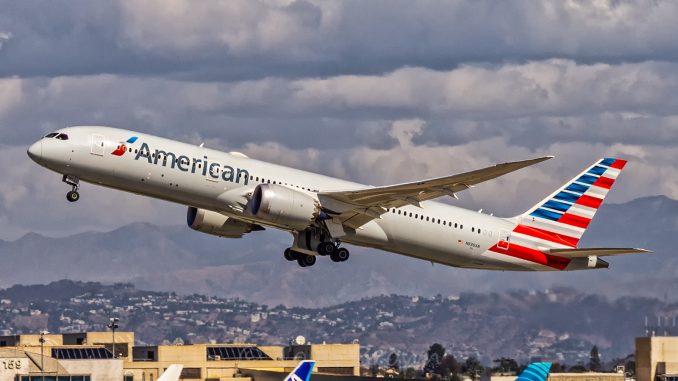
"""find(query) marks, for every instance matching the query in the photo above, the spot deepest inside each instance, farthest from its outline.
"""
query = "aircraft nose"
(35, 151)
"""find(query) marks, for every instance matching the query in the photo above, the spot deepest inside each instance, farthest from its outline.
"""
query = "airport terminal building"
(88, 357)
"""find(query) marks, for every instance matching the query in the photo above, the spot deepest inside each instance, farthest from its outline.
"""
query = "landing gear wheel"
(291, 255)
(74, 182)
(72, 196)
(341, 255)
(306, 260)
(326, 248)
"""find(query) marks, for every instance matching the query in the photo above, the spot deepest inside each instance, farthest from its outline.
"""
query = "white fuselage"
(218, 181)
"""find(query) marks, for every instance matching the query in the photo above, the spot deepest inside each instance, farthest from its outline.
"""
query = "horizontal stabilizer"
(600, 252)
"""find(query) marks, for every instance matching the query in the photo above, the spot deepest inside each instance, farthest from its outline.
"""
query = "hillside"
(178, 259)
(560, 325)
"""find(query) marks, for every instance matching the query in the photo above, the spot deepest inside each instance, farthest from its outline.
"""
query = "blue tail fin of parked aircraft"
(537, 371)
(302, 372)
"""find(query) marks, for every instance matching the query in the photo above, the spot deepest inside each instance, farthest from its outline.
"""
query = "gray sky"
(377, 92)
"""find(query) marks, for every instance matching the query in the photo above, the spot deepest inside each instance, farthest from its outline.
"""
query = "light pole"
(113, 325)
(42, 350)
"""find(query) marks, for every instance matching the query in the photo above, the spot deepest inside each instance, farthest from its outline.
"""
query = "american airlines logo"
(204, 166)
(122, 148)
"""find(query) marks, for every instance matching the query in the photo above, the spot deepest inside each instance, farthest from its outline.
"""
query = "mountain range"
(560, 325)
(175, 258)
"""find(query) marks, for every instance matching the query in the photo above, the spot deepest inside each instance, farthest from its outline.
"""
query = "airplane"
(172, 373)
(536, 371)
(230, 195)
(302, 372)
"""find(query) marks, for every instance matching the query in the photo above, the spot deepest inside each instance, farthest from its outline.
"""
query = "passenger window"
(426, 218)
(461, 227)
(416, 215)
(455, 224)
(473, 230)
(438, 220)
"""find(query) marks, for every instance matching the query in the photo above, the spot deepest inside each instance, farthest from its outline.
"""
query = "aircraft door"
(504, 240)
(97, 145)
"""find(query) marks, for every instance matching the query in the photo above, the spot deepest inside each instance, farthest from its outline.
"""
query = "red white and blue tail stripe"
(561, 219)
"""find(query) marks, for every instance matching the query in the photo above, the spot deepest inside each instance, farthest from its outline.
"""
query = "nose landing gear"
(74, 182)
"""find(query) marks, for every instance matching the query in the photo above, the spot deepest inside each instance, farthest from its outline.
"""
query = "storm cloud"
(377, 92)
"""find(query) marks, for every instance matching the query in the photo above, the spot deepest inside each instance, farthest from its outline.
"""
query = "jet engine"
(207, 221)
(284, 206)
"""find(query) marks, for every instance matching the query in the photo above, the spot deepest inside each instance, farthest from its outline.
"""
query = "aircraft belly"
(424, 241)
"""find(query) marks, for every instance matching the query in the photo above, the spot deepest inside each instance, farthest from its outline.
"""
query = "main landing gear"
(74, 182)
(336, 254)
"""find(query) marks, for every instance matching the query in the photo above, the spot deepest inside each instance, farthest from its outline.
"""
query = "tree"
(410, 373)
(578, 368)
(505, 365)
(393, 362)
(558, 367)
(472, 368)
(450, 367)
(374, 369)
(435, 356)
(594, 361)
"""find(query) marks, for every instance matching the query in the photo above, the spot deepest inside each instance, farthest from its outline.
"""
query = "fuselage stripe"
(604, 182)
(546, 235)
(571, 219)
(591, 202)
(619, 164)
(533, 255)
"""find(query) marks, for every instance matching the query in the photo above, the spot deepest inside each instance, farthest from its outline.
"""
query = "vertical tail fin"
(172, 373)
(302, 372)
(537, 371)
(561, 219)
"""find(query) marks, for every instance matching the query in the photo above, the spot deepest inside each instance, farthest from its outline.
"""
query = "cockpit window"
(62, 137)
(51, 134)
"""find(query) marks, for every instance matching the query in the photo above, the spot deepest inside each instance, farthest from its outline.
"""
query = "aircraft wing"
(600, 252)
(355, 208)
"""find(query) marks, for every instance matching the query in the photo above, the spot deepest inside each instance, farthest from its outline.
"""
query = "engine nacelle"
(207, 221)
(283, 206)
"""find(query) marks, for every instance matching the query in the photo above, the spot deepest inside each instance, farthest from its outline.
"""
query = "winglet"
(302, 372)
(537, 371)
(172, 373)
